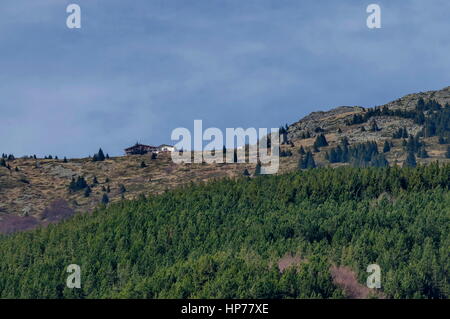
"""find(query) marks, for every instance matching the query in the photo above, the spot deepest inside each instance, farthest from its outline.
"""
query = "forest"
(222, 239)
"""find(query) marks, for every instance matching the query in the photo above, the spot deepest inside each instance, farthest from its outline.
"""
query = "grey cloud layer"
(138, 69)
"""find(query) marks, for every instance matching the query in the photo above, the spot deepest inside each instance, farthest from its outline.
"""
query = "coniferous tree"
(447, 154)
(320, 141)
(87, 191)
(100, 156)
(386, 147)
(301, 162)
(332, 156)
(411, 160)
(374, 126)
(105, 199)
(309, 161)
(301, 150)
(258, 169)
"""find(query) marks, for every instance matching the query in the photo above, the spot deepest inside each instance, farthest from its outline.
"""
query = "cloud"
(138, 70)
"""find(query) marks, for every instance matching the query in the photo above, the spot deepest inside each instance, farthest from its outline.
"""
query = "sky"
(136, 70)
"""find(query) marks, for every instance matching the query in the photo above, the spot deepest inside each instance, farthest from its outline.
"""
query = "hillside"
(308, 234)
(37, 193)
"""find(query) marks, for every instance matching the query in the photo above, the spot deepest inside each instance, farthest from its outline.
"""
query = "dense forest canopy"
(223, 239)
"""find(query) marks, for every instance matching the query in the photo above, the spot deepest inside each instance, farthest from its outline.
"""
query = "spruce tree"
(301, 151)
(87, 192)
(374, 126)
(320, 141)
(410, 160)
(309, 161)
(105, 199)
(100, 155)
(258, 169)
(386, 147)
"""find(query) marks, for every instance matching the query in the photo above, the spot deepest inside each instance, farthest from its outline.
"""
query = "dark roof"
(139, 146)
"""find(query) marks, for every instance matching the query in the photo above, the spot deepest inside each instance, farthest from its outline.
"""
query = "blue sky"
(138, 69)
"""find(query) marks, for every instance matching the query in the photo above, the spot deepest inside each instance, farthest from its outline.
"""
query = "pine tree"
(374, 126)
(386, 147)
(122, 189)
(143, 165)
(301, 162)
(87, 192)
(246, 173)
(410, 160)
(333, 157)
(420, 104)
(105, 199)
(309, 161)
(258, 169)
(301, 150)
(320, 141)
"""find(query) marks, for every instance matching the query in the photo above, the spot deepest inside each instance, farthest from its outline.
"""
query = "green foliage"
(320, 141)
(401, 133)
(358, 155)
(307, 161)
(386, 147)
(105, 199)
(78, 184)
(224, 239)
(87, 191)
(301, 150)
(99, 157)
(410, 160)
